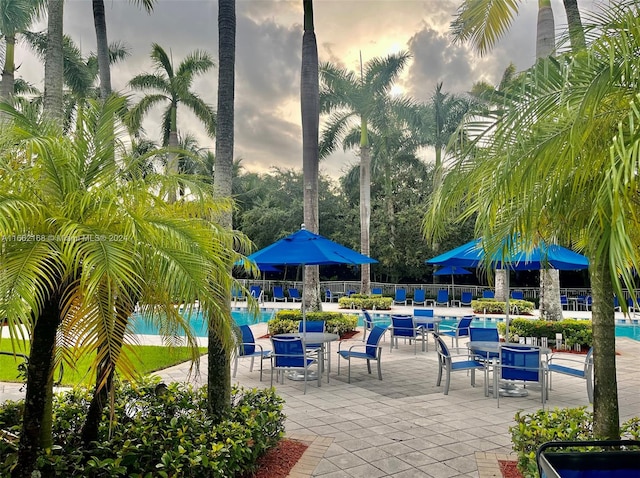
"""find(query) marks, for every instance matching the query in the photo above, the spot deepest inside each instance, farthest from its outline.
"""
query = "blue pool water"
(241, 317)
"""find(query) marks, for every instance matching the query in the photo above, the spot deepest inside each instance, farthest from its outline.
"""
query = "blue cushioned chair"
(447, 364)
(329, 297)
(488, 294)
(566, 365)
(376, 291)
(424, 318)
(522, 364)
(465, 299)
(368, 323)
(312, 326)
(419, 297)
(278, 293)
(294, 294)
(403, 326)
(400, 297)
(461, 330)
(249, 348)
(372, 351)
(564, 302)
(289, 354)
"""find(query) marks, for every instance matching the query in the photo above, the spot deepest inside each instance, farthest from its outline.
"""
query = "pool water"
(242, 317)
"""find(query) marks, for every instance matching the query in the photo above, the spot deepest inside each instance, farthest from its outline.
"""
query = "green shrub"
(570, 424)
(164, 435)
(370, 302)
(492, 306)
(573, 331)
(286, 321)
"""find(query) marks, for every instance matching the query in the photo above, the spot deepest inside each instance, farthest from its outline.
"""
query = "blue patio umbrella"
(520, 257)
(304, 248)
(452, 271)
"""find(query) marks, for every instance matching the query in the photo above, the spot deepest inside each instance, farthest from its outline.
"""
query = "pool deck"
(404, 426)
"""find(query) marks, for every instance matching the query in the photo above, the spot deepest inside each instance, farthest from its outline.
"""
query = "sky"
(268, 57)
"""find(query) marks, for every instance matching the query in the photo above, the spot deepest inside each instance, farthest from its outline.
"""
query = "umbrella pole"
(506, 307)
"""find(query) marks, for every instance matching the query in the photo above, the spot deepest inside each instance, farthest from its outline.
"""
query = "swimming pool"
(242, 317)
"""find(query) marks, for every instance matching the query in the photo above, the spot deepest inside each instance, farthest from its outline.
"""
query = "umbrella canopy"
(542, 256)
(307, 249)
(452, 271)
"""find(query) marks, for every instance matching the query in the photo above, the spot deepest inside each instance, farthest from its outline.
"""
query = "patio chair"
(424, 318)
(372, 351)
(447, 364)
(488, 294)
(238, 294)
(520, 364)
(419, 297)
(584, 302)
(249, 348)
(376, 291)
(329, 297)
(564, 302)
(403, 326)
(289, 354)
(465, 299)
(442, 298)
(312, 326)
(257, 293)
(566, 365)
(517, 295)
(400, 297)
(482, 334)
(461, 330)
(294, 294)
(368, 323)
(278, 294)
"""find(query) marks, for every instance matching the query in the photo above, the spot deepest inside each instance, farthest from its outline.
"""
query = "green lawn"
(146, 359)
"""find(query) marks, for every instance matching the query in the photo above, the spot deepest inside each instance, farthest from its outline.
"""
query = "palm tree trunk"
(545, 30)
(54, 62)
(550, 308)
(8, 78)
(606, 416)
(219, 370)
(39, 385)
(576, 31)
(104, 68)
(310, 106)
(365, 209)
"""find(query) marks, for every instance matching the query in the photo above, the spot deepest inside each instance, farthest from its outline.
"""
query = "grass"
(145, 359)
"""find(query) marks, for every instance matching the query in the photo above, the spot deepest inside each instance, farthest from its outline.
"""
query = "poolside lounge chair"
(564, 302)
(419, 297)
(289, 354)
(278, 294)
(484, 334)
(488, 294)
(521, 364)
(424, 318)
(562, 363)
(461, 330)
(249, 348)
(294, 294)
(400, 297)
(257, 293)
(376, 291)
(517, 295)
(442, 298)
(465, 299)
(238, 294)
(372, 351)
(447, 364)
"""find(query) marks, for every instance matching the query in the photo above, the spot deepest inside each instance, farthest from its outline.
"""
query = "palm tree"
(103, 240)
(348, 96)
(54, 61)
(16, 16)
(483, 22)
(104, 56)
(219, 377)
(310, 106)
(562, 164)
(172, 86)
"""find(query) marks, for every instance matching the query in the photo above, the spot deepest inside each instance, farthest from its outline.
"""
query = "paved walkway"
(404, 426)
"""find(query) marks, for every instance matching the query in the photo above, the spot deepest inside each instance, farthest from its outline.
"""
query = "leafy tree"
(347, 96)
(561, 162)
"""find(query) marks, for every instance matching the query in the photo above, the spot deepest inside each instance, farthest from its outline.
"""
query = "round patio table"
(322, 338)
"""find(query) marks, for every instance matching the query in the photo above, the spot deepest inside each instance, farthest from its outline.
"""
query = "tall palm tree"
(310, 106)
(566, 157)
(219, 378)
(16, 16)
(351, 97)
(104, 240)
(174, 87)
(54, 61)
(103, 55)
(483, 22)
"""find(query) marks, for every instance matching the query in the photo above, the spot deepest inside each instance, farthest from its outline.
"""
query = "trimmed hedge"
(286, 321)
(164, 434)
(492, 306)
(369, 302)
(574, 332)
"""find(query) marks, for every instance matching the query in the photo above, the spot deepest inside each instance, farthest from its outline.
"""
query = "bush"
(160, 434)
(286, 321)
(370, 302)
(492, 306)
(573, 331)
(570, 424)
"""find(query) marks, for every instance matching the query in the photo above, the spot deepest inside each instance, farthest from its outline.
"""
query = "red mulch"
(508, 469)
(278, 461)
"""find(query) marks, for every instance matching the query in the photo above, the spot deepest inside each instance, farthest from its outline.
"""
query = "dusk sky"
(268, 55)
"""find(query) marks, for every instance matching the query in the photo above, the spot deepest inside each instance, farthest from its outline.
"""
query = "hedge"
(286, 321)
(574, 332)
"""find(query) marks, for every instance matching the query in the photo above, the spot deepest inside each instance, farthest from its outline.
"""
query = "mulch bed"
(509, 469)
(278, 462)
